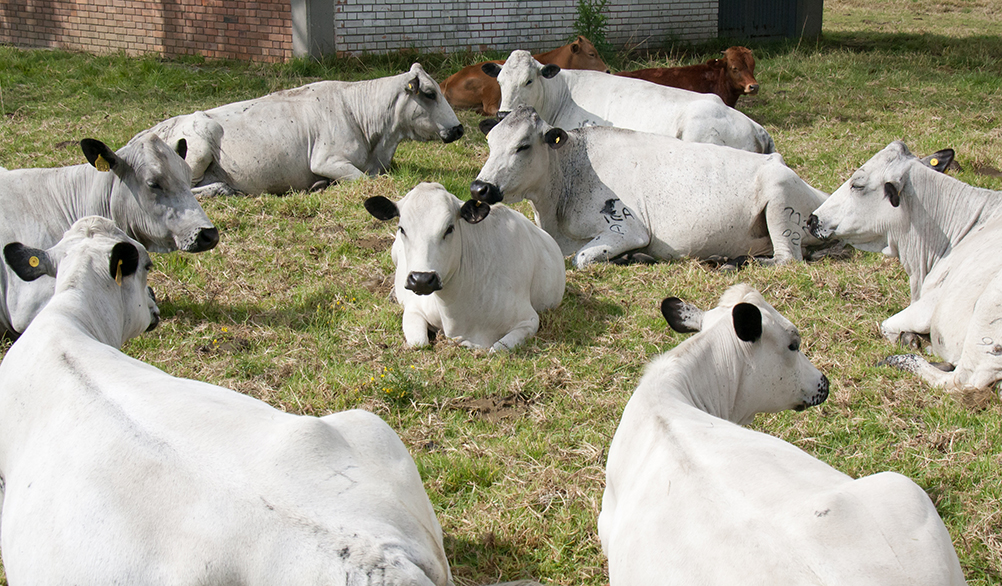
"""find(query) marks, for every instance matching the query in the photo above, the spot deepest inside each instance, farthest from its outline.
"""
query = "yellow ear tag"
(556, 140)
(101, 165)
(118, 274)
(933, 162)
(33, 261)
(410, 87)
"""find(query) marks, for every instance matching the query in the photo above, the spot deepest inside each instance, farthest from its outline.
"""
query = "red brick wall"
(215, 29)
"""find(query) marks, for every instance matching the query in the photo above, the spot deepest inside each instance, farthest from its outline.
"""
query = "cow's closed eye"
(429, 95)
(528, 82)
(153, 184)
(449, 230)
(401, 230)
(522, 148)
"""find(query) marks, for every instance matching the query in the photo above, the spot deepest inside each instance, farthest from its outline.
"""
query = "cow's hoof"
(736, 264)
(912, 341)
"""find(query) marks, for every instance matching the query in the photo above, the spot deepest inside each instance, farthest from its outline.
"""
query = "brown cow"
(470, 87)
(729, 77)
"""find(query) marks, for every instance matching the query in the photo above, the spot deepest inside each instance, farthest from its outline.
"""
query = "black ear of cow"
(182, 148)
(550, 70)
(892, 193)
(939, 160)
(414, 85)
(474, 211)
(98, 154)
(488, 124)
(381, 208)
(555, 137)
(675, 313)
(747, 322)
(491, 69)
(26, 262)
(124, 258)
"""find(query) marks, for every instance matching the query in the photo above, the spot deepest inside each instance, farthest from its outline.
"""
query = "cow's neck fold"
(375, 125)
(91, 314)
(945, 213)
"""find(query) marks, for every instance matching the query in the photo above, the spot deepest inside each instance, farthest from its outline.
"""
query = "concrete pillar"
(313, 28)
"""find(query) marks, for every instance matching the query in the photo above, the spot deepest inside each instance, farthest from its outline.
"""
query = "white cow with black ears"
(945, 233)
(118, 473)
(310, 136)
(577, 98)
(693, 498)
(602, 192)
(473, 272)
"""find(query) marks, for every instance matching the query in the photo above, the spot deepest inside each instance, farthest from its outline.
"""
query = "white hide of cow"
(145, 187)
(602, 192)
(576, 98)
(940, 229)
(474, 272)
(692, 498)
(118, 473)
(310, 136)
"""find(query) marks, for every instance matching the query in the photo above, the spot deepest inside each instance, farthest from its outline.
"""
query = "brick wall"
(215, 29)
(450, 25)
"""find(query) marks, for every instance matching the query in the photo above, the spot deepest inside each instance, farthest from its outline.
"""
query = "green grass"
(294, 305)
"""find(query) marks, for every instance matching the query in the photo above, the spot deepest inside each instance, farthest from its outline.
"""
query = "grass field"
(294, 305)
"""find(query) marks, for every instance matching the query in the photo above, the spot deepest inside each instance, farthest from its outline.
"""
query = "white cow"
(145, 187)
(940, 229)
(602, 192)
(693, 498)
(473, 272)
(310, 136)
(118, 473)
(574, 98)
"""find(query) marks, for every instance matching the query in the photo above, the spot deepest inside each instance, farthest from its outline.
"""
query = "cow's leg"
(415, 328)
(787, 231)
(214, 189)
(907, 325)
(336, 169)
(621, 230)
(518, 334)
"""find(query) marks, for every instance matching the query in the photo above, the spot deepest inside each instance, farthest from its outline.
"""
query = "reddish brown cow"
(729, 78)
(470, 87)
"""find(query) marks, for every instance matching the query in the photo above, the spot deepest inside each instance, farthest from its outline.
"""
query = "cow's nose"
(423, 283)
(822, 394)
(485, 192)
(155, 313)
(453, 133)
(501, 114)
(207, 239)
(812, 225)
(752, 88)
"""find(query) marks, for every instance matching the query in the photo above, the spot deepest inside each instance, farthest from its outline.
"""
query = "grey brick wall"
(377, 26)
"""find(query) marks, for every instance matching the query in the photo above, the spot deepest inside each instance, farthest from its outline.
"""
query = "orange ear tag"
(33, 262)
(118, 274)
(101, 165)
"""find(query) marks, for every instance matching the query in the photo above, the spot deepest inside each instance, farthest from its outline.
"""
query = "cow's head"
(740, 67)
(519, 161)
(424, 113)
(520, 79)
(754, 350)
(584, 55)
(104, 272)
(874, 203)
(152, 201)
(429, 240)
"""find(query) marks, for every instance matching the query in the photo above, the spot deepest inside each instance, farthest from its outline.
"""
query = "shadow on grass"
(581, 317)
(489, 560)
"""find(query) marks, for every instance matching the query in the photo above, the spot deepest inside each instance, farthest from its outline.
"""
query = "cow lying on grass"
(730, 77)
(694, 498)
(310, 136)
(145, 187)
(473, 272)
(573, 99)
(470, 87)
(945, 233)
(602, 192)
(118, 473)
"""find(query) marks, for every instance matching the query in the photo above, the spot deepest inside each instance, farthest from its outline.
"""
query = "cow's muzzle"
(155, 314)
(206, 239)
(820, 396)
(423, 283)
(485, 192)
(452, 134)
(814, 225)
(751, 89)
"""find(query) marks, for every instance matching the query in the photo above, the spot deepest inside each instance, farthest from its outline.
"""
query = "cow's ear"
(182, 148)
(474, 211)
(555, 137)
(28, 263)
(381, 208)
(98, 154)
(939, 160)
(550, 70)
(682, 317)
(892, 193)
(488, 124)
(491, 69)
(414, 85)
(124, 261)
(747, 322)
(576, 46)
